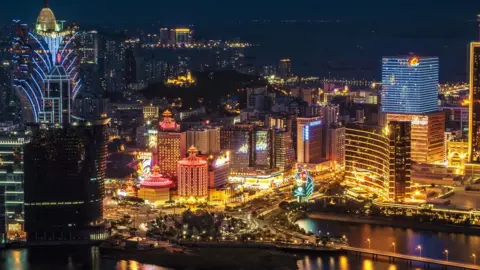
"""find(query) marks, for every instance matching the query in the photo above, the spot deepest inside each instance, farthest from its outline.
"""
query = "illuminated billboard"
(304, 186)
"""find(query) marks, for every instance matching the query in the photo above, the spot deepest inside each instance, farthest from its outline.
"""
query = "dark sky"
(141, 12)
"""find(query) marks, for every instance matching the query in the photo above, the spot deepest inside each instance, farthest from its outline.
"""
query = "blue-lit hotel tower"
(410, 84)
(410, 93)
(46, 75)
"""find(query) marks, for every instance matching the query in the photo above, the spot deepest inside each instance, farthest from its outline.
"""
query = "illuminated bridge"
(289, 246)
(408, 258)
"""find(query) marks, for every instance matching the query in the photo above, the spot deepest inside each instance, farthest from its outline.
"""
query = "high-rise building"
(64, 181)
(474, 110)
(150, 112)
(478, 27)
(90, 107)
(285, 69)
(88, 47)
(410, 84)
(309, 140)
(45, 69)
(171, 145)
(205, 139)
(182, 35)
(377, 159)
(264, 139)
(11, 181)
(192, 176)
(284, 151)
(130, 67)
(336, 146)
(219, 167)
(164, 36)
(427, 131)
(239, 140)
(330, 114)
(399, 134)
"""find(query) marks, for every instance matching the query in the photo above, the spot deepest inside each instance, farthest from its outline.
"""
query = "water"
(460, 247)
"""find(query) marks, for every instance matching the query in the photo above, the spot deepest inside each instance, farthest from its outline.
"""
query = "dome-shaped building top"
(46, 20)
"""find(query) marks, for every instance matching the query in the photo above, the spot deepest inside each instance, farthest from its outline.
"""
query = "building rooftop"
(46, 20)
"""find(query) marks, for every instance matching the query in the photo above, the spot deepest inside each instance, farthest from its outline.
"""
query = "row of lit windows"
(55, 203)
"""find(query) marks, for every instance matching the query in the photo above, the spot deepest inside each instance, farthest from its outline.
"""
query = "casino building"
(410, 93)
(46, 76)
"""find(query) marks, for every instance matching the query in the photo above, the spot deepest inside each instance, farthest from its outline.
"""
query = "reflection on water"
(460, 246)
(84, 257)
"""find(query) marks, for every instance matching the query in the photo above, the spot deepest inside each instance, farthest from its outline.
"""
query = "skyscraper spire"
(46, 3)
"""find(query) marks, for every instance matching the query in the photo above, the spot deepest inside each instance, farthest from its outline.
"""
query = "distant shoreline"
(426, 226)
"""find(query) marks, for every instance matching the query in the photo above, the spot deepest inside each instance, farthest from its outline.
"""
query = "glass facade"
(410, 84)
(474, 112)
(427, 135)
(367, 159)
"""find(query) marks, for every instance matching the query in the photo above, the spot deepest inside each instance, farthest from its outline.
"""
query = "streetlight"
(446, 254)
(419, 248)
(368, 240)
(474, 259)
(393, 245)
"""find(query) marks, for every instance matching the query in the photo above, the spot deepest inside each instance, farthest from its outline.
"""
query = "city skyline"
(263, 126)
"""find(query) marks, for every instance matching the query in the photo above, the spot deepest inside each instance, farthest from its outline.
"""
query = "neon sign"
(413, 62)
(306, 133)
(243, 149)
(316, 123)
(304, 186)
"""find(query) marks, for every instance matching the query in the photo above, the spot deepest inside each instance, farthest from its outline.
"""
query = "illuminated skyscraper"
(182, 35)
(171, 145)
(239, 140)
(192, 175)
(427, 135)
(205, 139)
(335, 145)
(309, 140)
(399, 134)
(410, 84)
(88, 47)
(377, 159)
(45, 69)
(474, 111)
(284, 151)
(11, 180)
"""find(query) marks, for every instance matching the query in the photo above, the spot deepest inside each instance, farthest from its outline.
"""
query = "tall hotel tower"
(474, 112)
(410, 93)
(473, 167)
(45, 69)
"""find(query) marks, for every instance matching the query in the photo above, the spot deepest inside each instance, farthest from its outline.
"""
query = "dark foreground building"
(64, 181)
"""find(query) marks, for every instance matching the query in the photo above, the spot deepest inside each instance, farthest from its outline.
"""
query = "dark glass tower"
(400, 161)
(474, 111)
(64, 181)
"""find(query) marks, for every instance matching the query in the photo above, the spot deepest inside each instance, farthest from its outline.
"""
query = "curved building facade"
(378, 160)
(367, 159)
(46, 76)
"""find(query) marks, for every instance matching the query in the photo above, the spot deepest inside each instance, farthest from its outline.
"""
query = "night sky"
(142, 12)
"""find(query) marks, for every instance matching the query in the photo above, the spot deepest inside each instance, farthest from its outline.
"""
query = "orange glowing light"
(413, 62)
